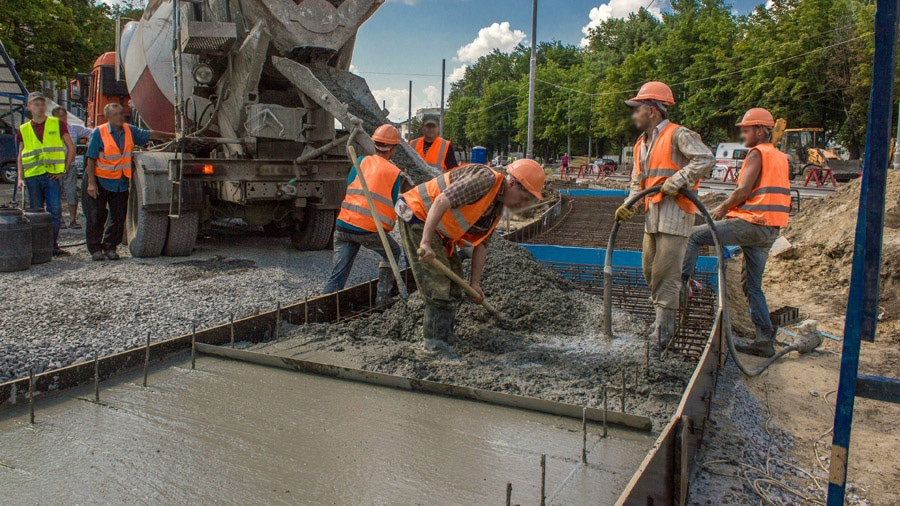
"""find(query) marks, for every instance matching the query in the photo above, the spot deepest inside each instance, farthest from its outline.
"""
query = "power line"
(507, 99)
(394, 74)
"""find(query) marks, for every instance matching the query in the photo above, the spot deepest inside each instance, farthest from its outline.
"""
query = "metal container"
(41, 234)
(15, 241)
(479, 155)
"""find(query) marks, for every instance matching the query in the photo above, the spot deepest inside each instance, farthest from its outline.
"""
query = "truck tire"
(314, 232)
(145, 230)
(182, 234)
(8, 173)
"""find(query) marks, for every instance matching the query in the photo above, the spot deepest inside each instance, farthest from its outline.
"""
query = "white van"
(729, 155)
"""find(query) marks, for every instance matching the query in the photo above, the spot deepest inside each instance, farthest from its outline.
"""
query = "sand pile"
(550, 347)
(822, 235)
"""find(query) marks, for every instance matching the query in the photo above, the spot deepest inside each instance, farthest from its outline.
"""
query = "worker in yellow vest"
(355, 225)
(458, 208)
(46, 152)
(752, 217)
(106, 180)
(672, 156)
(436, 151)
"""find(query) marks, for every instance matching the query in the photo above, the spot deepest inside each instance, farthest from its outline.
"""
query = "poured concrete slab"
(235, 433)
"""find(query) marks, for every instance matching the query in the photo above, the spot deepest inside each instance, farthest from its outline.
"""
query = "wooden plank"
(878, 388)
(432, 387)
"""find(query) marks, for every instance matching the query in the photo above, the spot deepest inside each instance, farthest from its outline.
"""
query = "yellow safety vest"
(48, 157)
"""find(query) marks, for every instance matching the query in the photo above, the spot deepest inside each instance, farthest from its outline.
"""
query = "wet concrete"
(235, 433)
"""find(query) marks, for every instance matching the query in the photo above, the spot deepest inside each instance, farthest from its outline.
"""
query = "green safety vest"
(48, 157)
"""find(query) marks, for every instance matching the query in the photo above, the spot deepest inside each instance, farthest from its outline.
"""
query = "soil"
(799, 390)
(548, 347)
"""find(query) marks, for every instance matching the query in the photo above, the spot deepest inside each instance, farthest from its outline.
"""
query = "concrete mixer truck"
(263, 106)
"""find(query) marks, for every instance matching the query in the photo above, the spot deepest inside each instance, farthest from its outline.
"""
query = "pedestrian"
(106, 180)
(564, 164)
(752, 217)
(432, 148)
(70, 182)
(453, 209)
(46, 152)
(672, 156)
(356, 226)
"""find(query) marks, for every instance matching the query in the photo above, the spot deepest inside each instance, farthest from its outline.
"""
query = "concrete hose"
(722, 299)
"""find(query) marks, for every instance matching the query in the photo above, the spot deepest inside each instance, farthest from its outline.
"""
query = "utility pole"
(409, 116)
(529, 150)
(590, 126)
(443, 81)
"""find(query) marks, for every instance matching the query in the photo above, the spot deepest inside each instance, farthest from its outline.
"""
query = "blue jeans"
(44, 192)
(755, 242)
(346, 247)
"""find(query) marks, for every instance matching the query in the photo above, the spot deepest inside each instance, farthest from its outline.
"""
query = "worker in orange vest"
(355, 225)
(433, 149)
(672, 156)
(106, 180)
(752, 217)
(458, 208)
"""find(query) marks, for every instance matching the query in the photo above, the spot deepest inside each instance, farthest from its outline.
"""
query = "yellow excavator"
(805, 149)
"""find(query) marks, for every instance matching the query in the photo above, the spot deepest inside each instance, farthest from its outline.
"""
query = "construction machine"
(805, 149)
(253, 90)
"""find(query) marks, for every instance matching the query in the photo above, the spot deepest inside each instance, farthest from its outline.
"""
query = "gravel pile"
(64, 311)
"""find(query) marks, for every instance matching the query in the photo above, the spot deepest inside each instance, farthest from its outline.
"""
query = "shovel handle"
(462, 283)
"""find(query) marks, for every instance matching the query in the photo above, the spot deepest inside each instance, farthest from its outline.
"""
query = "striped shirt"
(695, 160)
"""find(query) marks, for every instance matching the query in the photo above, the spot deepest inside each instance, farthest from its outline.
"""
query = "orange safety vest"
(437, 153)
(113, 163)
(381, 176)
(769, 203)
(661, 168)
(456, 223)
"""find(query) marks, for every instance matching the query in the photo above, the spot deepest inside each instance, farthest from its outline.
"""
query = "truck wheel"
(8, 174)
(807, 169)
(182, 234)
(145, 230)
(314, 232)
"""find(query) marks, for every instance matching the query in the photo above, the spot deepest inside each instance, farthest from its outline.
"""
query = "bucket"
(41, 234)
(15, 241)
(479, 155)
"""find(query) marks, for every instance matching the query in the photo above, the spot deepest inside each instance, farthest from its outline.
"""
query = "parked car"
(8, 155)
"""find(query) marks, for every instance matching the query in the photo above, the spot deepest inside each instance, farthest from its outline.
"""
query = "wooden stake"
(306, 311)
(31, 395)
(584, 435)
(146, 359)
(543, 479)
(337, 304)
(194, 346)
(231, 327)
(623, 390)
(96, 378)
(277, 319)
(508, 494)
(605, 406)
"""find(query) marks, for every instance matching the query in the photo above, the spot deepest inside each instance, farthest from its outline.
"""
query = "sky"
(406, 39)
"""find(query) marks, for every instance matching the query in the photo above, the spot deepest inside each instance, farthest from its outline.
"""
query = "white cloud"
(770, 4)
(397, 100)
(457, 74)
(432, 95)
(354, 69)
(497, 36)
(407, 2)
(614, 9)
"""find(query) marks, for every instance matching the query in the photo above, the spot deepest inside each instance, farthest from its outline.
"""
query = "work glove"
(624, 213)
(670, 187)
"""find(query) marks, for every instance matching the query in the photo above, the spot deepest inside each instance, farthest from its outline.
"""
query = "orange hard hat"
(757, 117)
(654, 90)
(386, 134)
(530, 174)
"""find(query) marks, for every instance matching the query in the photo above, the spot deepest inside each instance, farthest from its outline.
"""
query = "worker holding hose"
(460, 207)
(356, 226)
(672, 156)
(752, 218)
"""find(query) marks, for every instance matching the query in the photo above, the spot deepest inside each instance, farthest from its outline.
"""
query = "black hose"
(722, 298)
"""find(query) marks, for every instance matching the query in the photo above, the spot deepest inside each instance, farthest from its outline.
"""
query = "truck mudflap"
(155, 187)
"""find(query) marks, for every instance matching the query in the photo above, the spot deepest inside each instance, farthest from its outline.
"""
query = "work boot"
(663, 327)
(385, 285)
(112, 255)
(436, 328)
(98, 256)
(762, 346)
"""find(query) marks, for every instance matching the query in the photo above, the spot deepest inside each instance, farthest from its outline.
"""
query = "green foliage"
(808, 61)
(52, 40)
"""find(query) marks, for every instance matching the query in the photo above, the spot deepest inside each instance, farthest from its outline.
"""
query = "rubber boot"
(762, 346)
(385, 285)
(436, 328)
(663, 326)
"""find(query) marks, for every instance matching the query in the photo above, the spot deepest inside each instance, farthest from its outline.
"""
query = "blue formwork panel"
(550, 254)
(578, 192)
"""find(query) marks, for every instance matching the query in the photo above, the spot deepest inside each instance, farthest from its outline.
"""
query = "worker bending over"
(463, 206)
(355, 225)
(751, 218)
(672, 156)
(433, 149)
(106, 180)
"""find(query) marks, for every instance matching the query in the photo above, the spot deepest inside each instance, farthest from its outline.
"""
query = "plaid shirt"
(470, 184)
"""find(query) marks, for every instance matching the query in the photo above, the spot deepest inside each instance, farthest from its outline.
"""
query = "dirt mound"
(822, 236)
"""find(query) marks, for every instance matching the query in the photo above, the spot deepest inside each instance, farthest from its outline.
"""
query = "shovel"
(465, 286)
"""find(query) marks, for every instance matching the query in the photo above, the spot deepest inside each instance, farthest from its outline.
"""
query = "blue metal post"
(862, 304)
